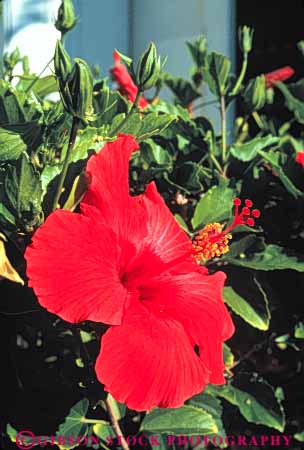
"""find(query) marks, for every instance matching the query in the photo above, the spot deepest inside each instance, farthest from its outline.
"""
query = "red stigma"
(245, 217)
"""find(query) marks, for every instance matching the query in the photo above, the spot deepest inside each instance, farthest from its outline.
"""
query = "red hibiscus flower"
(125, 261)
(278, 75)
(300, 158)
(126, 85)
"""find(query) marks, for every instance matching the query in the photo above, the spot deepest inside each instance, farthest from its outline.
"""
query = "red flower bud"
(278, 75)
(300, 158)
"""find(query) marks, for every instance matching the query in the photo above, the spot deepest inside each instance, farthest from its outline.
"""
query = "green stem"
(85, 420)
(38, 76)
(216, 163)
(129, 114)
(115, 425)
(63, 173)
(241, 76)
(223, 127)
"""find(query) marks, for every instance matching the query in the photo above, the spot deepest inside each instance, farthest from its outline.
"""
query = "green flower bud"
(245, 38)
(255, 93)
(80, 90)
(75, 84)
(62, 62)
(148, 69)
(66, 19)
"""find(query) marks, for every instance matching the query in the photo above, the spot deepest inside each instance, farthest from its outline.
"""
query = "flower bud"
(245, 38)
(66, 19)
(80, 90)
(255, 93)
(63, 64)
(75, 84)
(148, 69)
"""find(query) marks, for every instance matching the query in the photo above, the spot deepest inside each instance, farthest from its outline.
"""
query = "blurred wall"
(127, 25)
(28, 24)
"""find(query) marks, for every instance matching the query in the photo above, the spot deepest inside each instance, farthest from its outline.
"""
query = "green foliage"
(188, 420)
(182, 152)
(214, 206)
(266, 411)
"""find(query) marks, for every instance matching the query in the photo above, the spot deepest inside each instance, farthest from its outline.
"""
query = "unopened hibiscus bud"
(245, 38)
(255, 93)
(213, 240)
(300, 158)
(278, 75)
(66, 19)
(75, 84)
(63, 63)
(148, 69)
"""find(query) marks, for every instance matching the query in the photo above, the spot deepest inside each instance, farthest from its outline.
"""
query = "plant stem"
(115, 425)
(223, 127)
(216, 163)
(38, 76)
(129, 114)
(85, 420)
(241, 76)
(71, 143)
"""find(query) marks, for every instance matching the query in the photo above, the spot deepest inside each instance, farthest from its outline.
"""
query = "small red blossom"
(300, 158)
(126, 85)
(278, 75)
(124, 261)
(213, 240)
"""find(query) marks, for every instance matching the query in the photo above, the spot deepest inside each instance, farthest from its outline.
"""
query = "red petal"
(127, 86)
(195, 300)
(146, 362)
(72, 264)
(166, 237)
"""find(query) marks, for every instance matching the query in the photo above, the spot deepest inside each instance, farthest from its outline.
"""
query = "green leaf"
(11, 105)
(153, 153)
(45, 86)
(273, 158)
(74, 423)
(216, 73)
(6, 215)
(185, 92)
(257, 403)
(258, 319)
(103, 430)
(248, 151)
(211, 405)
(188, 420)
(299, 436)
(294, 104)
(214, 206)
(273, 257)
(299, 330)
(143, 127)
(153, 124)
(11, 145)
